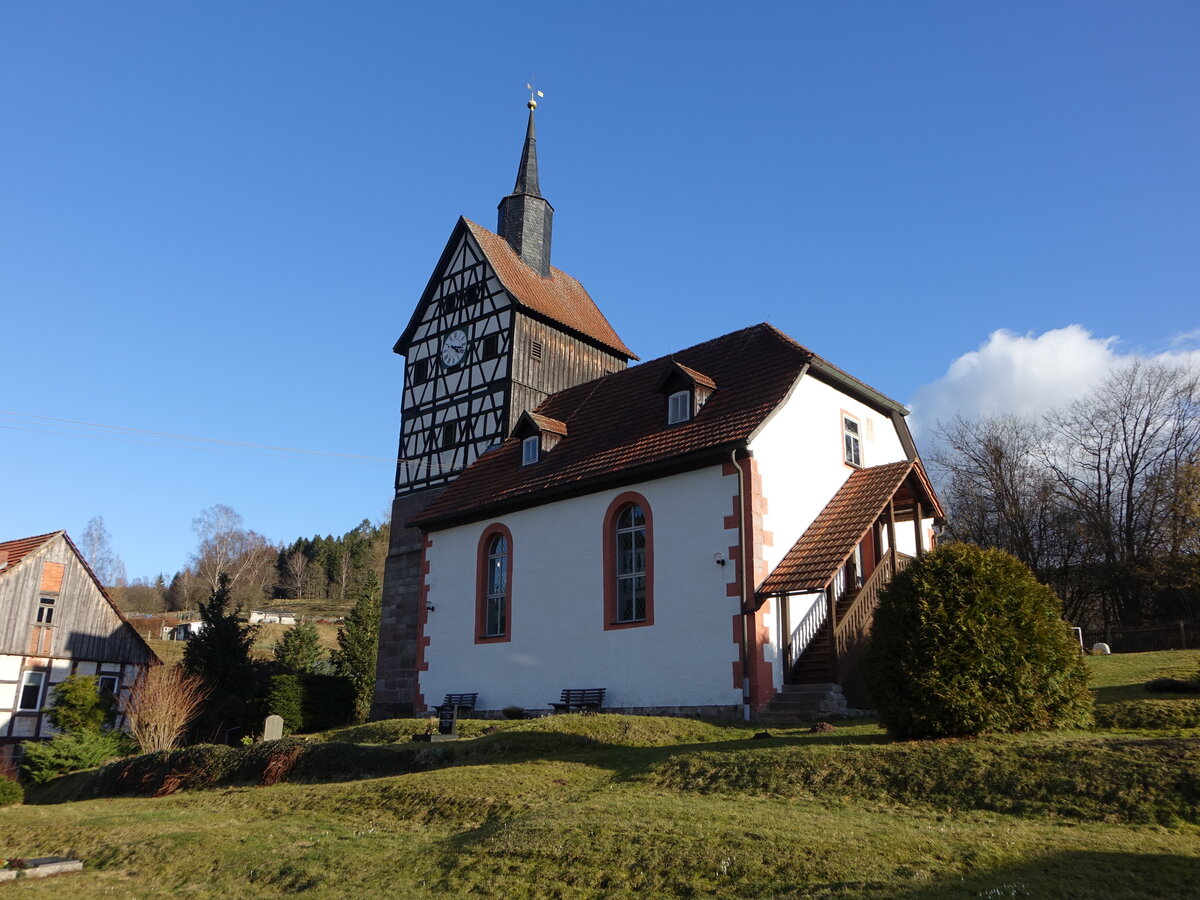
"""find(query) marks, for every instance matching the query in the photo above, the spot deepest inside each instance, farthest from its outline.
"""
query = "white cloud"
(1028, 374)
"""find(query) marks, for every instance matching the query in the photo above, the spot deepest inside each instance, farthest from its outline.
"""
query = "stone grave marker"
(273, 728)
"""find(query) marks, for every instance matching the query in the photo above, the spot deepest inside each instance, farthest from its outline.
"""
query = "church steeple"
(526, 219)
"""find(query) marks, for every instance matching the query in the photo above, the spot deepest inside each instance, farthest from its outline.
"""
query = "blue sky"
(217, 216)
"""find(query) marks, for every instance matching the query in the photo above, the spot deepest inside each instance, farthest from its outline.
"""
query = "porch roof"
(828, 542)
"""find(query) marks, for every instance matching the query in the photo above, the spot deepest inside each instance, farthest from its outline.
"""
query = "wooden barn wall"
(85, 625)
(566, 361)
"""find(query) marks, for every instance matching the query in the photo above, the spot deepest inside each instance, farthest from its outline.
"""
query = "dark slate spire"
(526, 219)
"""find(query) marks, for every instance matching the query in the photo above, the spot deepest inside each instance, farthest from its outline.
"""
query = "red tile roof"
(558, 297)
(22, 547)
(828, 542)
(617, 427)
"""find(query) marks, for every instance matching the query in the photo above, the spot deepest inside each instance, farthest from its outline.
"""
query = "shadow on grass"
(1080, 874)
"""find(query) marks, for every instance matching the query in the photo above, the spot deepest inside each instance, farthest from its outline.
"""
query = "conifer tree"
(298, 652)
(219, 653)
(358, 644)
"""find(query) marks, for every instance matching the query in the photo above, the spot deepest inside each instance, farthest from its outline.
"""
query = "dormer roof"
(677, 374)
(531, 423)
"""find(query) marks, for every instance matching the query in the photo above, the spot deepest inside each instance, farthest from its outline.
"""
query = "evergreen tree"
(220, 654)
(358, 644)
(298, 652)
(78, 705)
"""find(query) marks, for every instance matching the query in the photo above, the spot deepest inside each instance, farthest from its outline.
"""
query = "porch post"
(891, 525)
(831, 618)
(917, 527)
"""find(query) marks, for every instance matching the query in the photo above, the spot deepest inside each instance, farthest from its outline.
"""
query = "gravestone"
(273, 728)
(448, 719)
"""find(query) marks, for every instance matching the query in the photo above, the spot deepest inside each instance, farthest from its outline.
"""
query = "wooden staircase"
(813, 686)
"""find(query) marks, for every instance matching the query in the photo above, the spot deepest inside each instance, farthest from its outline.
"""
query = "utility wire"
(127, 434)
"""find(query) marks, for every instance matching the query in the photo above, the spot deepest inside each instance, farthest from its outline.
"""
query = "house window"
(679, 407)
(491, 346)
(108, 684)
(449, 434)
(31, 690)
(493, 593)
(853, 444)
(529, 450)
(45, 613)
(628, 563)
(420, 371)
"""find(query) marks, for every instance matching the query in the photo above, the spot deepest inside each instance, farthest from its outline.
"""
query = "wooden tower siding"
(565, 362)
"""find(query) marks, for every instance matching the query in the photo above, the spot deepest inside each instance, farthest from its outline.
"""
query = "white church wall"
(558, 639)
(801, 460)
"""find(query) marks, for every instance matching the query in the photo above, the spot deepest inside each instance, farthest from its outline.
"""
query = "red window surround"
(610, 561)
(481, 585)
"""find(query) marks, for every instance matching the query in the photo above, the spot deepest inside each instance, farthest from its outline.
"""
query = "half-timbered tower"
(496, 331)
(56, 620)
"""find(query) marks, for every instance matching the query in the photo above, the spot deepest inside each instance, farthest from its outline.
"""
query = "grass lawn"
(617, 806)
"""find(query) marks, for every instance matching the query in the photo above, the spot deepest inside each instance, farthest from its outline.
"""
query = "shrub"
(299, 650)
(966, 641)
(10, 792)
(161, 705)
(513, 712)
(69, 751)
(1172, 686)
(309, 703)
(78, 705)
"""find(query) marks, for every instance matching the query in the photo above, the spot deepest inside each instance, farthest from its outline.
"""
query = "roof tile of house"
(828, 542)
(14, 551)
(617, 425)
(558, 297)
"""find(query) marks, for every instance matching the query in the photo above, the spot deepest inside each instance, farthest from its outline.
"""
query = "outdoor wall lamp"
(718, 559)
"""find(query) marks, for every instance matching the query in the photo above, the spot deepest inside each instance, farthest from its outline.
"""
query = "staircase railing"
(850, 630)
(803, 634)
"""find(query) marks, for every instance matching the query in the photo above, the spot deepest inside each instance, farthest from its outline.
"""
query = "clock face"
(454, 348)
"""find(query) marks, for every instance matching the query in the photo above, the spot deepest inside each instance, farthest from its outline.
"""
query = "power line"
(130, 435)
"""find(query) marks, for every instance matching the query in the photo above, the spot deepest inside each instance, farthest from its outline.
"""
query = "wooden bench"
(580, 698)
(461, 703)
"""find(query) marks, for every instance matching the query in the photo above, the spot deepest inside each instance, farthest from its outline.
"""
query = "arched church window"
(628, 563)
(493, 597)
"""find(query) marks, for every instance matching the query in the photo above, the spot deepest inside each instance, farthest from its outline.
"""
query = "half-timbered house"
(56, 620)
(704, 532)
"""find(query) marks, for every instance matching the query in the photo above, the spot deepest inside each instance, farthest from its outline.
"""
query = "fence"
(1176, 636)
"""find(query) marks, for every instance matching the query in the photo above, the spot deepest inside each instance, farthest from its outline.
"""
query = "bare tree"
(999, 493)
(1117, 457)
(162, 703)
(96, 547)
(225, 546)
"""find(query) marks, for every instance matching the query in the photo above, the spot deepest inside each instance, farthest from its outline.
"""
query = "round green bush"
(966, 641)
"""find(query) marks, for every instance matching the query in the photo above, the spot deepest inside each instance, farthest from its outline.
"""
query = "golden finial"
(532, 104)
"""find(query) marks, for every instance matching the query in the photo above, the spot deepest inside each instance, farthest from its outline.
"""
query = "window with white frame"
(679, 407)
(108, 684)
(853, 441)
(31, 691)
(530, 448)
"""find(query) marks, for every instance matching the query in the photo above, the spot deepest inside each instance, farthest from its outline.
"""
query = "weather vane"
(532, 93)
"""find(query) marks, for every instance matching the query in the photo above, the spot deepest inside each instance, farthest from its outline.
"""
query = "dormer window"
(539, 435)
(679, 407)
(529, 450)
(686, 391)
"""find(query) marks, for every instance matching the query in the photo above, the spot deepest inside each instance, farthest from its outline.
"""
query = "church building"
(703, 533)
